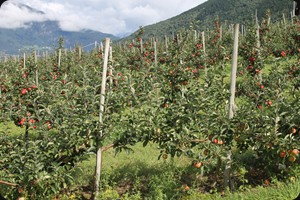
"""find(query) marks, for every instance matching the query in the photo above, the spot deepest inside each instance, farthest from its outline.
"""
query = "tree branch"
(107, 147)
(9, 184)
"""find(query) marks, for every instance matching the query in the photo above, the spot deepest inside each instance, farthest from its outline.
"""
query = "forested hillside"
(230, 11)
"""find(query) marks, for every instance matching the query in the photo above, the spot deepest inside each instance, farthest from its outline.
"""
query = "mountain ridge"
(227, 11)
(44, 35)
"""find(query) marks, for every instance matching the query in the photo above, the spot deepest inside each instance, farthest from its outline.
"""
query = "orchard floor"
(140, 175)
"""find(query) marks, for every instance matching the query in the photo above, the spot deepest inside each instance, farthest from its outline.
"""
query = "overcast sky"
(109, 16)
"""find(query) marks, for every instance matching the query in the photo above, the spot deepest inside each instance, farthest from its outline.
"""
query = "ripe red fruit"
(48, 124)
(250, 67)
(32, 121)
(259, 106)
(282, 153)
(295, 151)
(197, 164)
(24, 91)
(283, 54)
(268, 102)
(23, 120)
(25, 75)
(262, 86)
(215, 141)
(251, 59)
(34, 87)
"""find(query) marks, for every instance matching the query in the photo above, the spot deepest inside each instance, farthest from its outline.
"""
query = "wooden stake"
(101, 111)
(36, 70)
(155, 54)
(141, 45)
(232, 107)
(284, 22)
(166, 43)
(110, 67)
(24, 60)
(59, 57)
(233, 71)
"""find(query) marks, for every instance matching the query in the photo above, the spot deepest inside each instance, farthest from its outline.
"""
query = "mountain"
(28, 8)
(44, 35)
(229, 11)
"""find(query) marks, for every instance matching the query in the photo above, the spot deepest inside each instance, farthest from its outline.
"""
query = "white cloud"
(113, 16)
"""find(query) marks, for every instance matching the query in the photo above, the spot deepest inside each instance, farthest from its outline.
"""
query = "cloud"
(12, 16)
(113, 16)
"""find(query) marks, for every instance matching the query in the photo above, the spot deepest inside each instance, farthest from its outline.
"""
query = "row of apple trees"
(176, 96)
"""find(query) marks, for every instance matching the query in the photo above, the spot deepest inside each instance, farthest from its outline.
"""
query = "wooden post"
(233, 71)
(203, 41)
(101, 111)
(79, 51)
(35, 56)
(132, 49)
(256, 18)
(204, 51)
(284, 22)
(195, 36)
(59, 57)
(178, 39)
(232, 107)
(155, 54)
(24, 60)
(36, 70)
(166, 43)
(242, 29)
(258, 50)
(294, 9)
(141, 45)
(101, 48)
(110, 67)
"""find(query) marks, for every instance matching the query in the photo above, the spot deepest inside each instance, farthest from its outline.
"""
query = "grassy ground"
(140, 175)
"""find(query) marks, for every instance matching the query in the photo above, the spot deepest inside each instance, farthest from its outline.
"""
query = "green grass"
(140, 172)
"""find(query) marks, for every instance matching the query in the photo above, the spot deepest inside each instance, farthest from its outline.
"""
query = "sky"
(117, 17)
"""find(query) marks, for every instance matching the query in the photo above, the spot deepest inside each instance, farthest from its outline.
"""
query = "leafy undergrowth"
(10, 128)
(141, 175)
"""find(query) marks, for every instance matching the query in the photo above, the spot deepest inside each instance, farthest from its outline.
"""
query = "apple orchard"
(172, 92)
